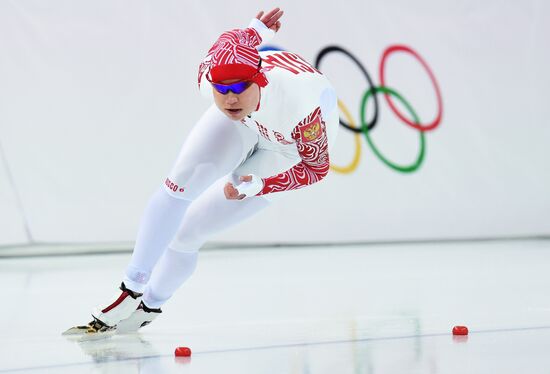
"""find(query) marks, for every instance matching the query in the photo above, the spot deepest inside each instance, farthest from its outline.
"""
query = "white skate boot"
(106, 319)
(142, 316)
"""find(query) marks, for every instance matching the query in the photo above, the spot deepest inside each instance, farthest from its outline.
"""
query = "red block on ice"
(182, 352)
(460, 330)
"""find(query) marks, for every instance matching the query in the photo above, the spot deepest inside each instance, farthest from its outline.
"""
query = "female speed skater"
(269, 130)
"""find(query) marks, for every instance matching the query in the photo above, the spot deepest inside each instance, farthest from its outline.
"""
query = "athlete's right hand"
(271, 19)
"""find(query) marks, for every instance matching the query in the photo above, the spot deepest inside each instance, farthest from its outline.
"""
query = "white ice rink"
(371, 309)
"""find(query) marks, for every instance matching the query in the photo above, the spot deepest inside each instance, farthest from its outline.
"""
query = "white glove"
(251, 188)
(265, 33)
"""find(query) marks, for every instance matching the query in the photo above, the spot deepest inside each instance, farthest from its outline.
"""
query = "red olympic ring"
(418, 126)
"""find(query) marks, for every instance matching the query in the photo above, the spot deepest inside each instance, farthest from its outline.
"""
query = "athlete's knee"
(197, 227)
(189, 181)
(189, 239)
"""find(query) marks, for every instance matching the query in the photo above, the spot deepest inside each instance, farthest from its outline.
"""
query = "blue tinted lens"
(239, 87)
(221, 88)
(236, 88)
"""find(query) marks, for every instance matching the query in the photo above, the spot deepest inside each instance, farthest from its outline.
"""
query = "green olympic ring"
(365, 128)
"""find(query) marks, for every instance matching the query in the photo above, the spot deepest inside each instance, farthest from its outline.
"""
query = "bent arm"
(312, 143)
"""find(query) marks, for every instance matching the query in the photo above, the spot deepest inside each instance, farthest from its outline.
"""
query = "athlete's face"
(237, 106)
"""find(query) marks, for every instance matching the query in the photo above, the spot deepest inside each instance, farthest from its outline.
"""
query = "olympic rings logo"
(390, 94)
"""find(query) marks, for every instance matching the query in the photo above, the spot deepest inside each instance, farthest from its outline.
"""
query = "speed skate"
(126, 314)
(93, 330)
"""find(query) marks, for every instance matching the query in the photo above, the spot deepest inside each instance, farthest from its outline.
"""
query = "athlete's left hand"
(250, 185)
(271, 19)
(231, 193)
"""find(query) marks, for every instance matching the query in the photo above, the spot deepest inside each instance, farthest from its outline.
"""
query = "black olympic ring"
(334, 48)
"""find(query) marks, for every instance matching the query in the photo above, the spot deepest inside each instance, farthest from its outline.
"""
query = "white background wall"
(11, 218)
(96, 98)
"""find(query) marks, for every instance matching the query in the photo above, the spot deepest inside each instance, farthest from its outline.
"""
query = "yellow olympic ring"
(355, 161)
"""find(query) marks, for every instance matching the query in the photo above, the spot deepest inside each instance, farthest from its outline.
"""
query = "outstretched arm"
(271, 19)
(266, 25)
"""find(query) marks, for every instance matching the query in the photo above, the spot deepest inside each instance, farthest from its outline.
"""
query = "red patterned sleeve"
(311, 139)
